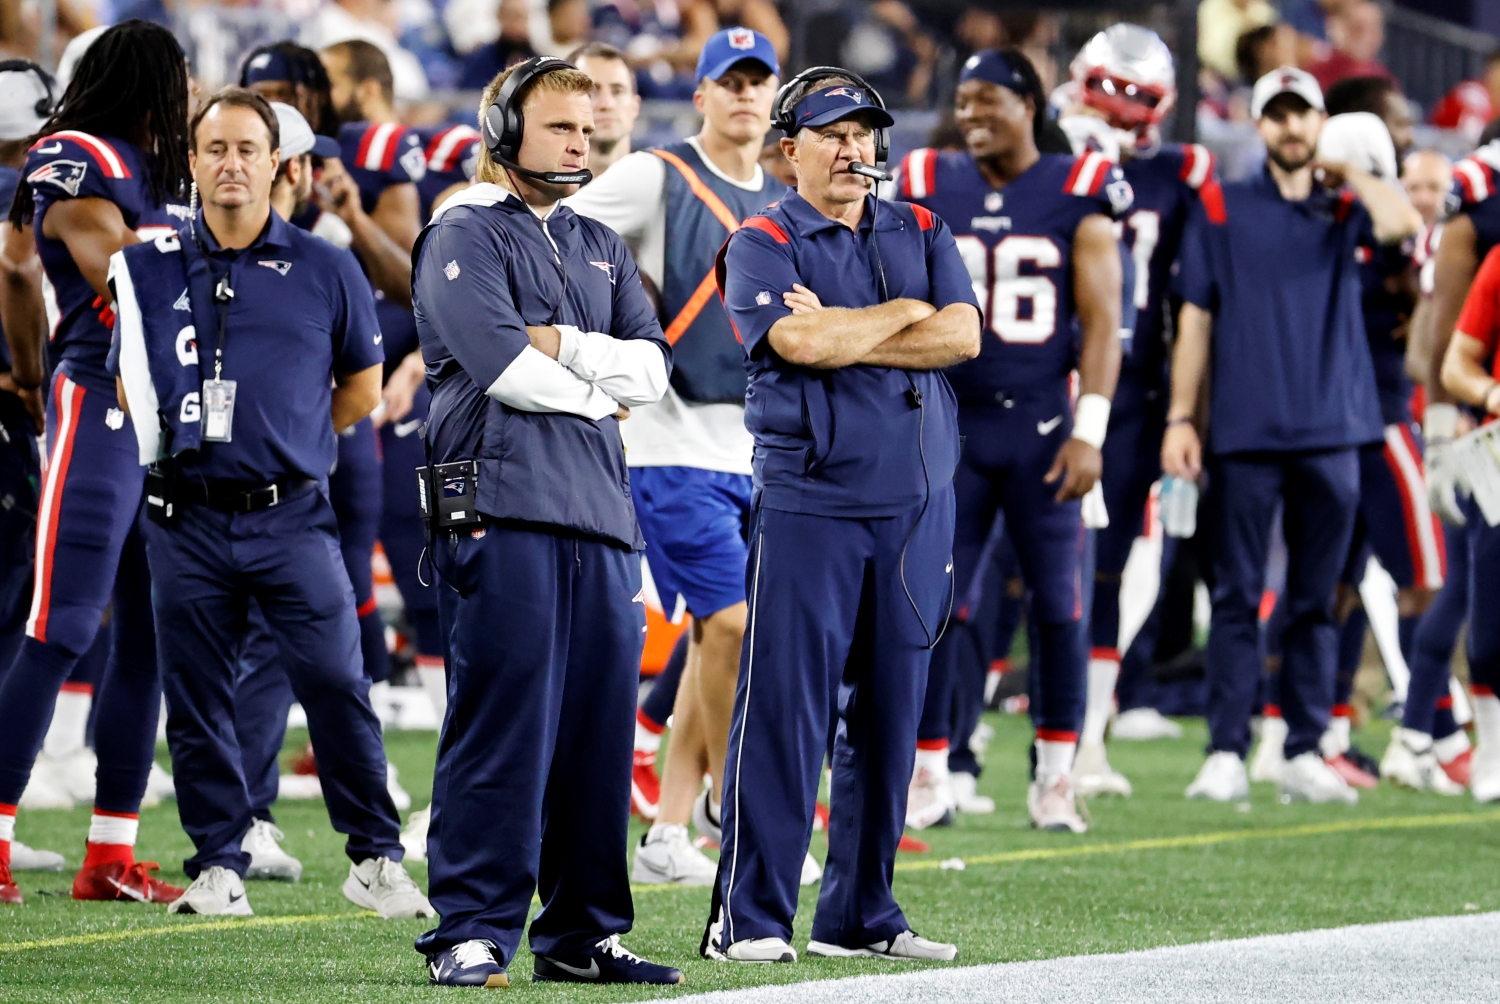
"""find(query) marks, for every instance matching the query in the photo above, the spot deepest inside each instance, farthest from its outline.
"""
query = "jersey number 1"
(999, 269)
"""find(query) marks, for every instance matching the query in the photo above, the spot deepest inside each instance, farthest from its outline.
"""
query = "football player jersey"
(452, 154)
(1017, 245)
(77, 165)
(378, 155)
(9, 179)
(1475, 182)
(1387, 306)
(1164, 186)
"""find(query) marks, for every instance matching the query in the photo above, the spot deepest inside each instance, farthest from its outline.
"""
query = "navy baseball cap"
(993, 66)
(271, 65)
(835, 102)
(730, 46)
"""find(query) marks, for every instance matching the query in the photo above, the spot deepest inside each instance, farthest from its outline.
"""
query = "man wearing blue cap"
(690, 454)
(1037, 233)
(847, 309)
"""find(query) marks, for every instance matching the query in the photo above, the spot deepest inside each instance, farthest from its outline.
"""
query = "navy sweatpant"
(1437, 636)
(262, 698)
(834, 641)
(1320, 495)
(532, 788)
(20, 484)
(208, 568)
(1007, 452)
(86, 558)
(402, 532)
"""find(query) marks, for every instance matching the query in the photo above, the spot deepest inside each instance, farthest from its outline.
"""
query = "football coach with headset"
(538, 339)
(847, 309)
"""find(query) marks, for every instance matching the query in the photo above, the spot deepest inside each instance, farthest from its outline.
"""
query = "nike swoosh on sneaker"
(235, 898)
(134, 894)
(1045, 428)
(591, 973)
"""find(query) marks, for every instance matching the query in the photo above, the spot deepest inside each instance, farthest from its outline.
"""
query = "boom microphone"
(864, 170)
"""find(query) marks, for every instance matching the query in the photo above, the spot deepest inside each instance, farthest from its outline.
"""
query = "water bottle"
(1179, 507)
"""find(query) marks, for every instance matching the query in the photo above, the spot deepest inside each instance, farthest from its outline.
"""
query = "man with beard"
(1272, 265)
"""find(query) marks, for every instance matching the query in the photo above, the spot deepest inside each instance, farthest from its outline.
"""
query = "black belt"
(239, 496)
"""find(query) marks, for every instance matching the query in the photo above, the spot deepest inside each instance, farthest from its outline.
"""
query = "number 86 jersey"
(1017, 242)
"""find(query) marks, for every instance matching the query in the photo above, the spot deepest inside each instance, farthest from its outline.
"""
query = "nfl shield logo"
(993, 202)
(763, 298)
(451, 270)
(741, 38)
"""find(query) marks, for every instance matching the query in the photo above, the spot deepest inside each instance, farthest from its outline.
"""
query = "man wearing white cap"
(292, 190)
(1269, 266)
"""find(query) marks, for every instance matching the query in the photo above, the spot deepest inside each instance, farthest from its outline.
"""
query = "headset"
(45, 106)
(504, 125)
(785, 118)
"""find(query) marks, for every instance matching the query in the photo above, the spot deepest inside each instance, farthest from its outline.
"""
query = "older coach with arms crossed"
(538, 336)
(846, 309)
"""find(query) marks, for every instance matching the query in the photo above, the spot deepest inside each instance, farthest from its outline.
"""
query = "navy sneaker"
(606, 962)
(470, 964)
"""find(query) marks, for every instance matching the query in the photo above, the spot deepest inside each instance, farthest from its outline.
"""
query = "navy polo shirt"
(302, 312)
(853, 441)
(1291, 365)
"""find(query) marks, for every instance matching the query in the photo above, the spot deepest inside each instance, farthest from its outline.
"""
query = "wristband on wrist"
(1180, 420)
(1091, 419)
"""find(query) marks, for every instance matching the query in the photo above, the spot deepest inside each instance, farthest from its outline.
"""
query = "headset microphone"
(504, 124)
(864, 170)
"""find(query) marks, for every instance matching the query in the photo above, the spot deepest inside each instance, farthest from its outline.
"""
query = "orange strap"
(707, 287)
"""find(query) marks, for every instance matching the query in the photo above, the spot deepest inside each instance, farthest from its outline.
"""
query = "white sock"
(1487, 722)
(70, 720)
(1449, 748)
(1335, 739)
(1053, 759)
(647, 740)
(435, 683)
(1104, 672)
(1273, 734)
(113, 829)
(1417, 742)
(935, 761)
(7, 828)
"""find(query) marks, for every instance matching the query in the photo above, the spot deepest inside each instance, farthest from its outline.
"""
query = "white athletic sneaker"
(705, 823)
(904, 947)
(1221, 779)
(760, 950)
(980, 739)
(382, 885)
(159, 786)
(1055, 807)
(44, 789)
(965, 794)
(929, 800)
(1268, 762)
(393, 785)
(1092, 774)
(29, 859)
(75, 772)
(215, 892)
(414, 837)
(267, 859)
(1308, 778)
(812, 872)
(1484, 783)
(1403, 765)
(1140, 724)
(299, 786)
(667, 857)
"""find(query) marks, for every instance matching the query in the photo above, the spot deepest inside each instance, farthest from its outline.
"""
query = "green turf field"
(1154, 870)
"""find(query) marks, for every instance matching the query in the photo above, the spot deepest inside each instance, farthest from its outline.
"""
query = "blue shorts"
(695, 524)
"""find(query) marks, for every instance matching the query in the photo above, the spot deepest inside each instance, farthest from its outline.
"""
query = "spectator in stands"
(889, 47)
(513, 46)
(701, 19)
(1035, 33)
(373, 21)
(1357, 34)
(1311, 17)
(977, 30)
(570, 24)
(1472, 103)
(1222, 25)
(1427, 176)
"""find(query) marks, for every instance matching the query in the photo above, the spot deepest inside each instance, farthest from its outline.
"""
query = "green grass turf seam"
(186, 926)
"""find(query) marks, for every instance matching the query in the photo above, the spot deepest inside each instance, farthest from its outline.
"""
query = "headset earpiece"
(783, 117)
(45, 106)
(504, 125)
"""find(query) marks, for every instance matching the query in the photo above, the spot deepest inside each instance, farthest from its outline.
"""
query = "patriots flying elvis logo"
(281, 267)
(65, 174)
(846, 92)
(607, 268)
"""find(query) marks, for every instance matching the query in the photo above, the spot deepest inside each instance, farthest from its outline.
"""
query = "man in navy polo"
(1272, 267)
(847, 308)
(243, 344)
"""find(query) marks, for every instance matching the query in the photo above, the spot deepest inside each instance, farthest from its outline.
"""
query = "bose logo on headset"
(504, 125)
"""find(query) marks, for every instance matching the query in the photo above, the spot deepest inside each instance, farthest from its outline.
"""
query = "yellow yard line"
(184, 927)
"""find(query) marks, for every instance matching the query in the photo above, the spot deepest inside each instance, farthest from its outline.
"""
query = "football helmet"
(1126, 74)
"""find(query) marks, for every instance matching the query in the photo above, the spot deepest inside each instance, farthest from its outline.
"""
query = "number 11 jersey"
(1017, 243)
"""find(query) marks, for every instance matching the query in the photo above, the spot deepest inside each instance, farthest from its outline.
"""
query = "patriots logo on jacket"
(846, 92)
(607, 268)
(65, 174)
(281, 267)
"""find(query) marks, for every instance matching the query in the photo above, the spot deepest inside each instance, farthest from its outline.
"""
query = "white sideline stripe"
(1435, 959)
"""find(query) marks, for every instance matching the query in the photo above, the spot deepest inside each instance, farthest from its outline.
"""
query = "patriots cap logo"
(845, 92)
(1288, 80)
(65, 174)
(741, 38)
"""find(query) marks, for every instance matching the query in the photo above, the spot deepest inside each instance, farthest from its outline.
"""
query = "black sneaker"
(1363, 760)
(469, 964)
(606, 962)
